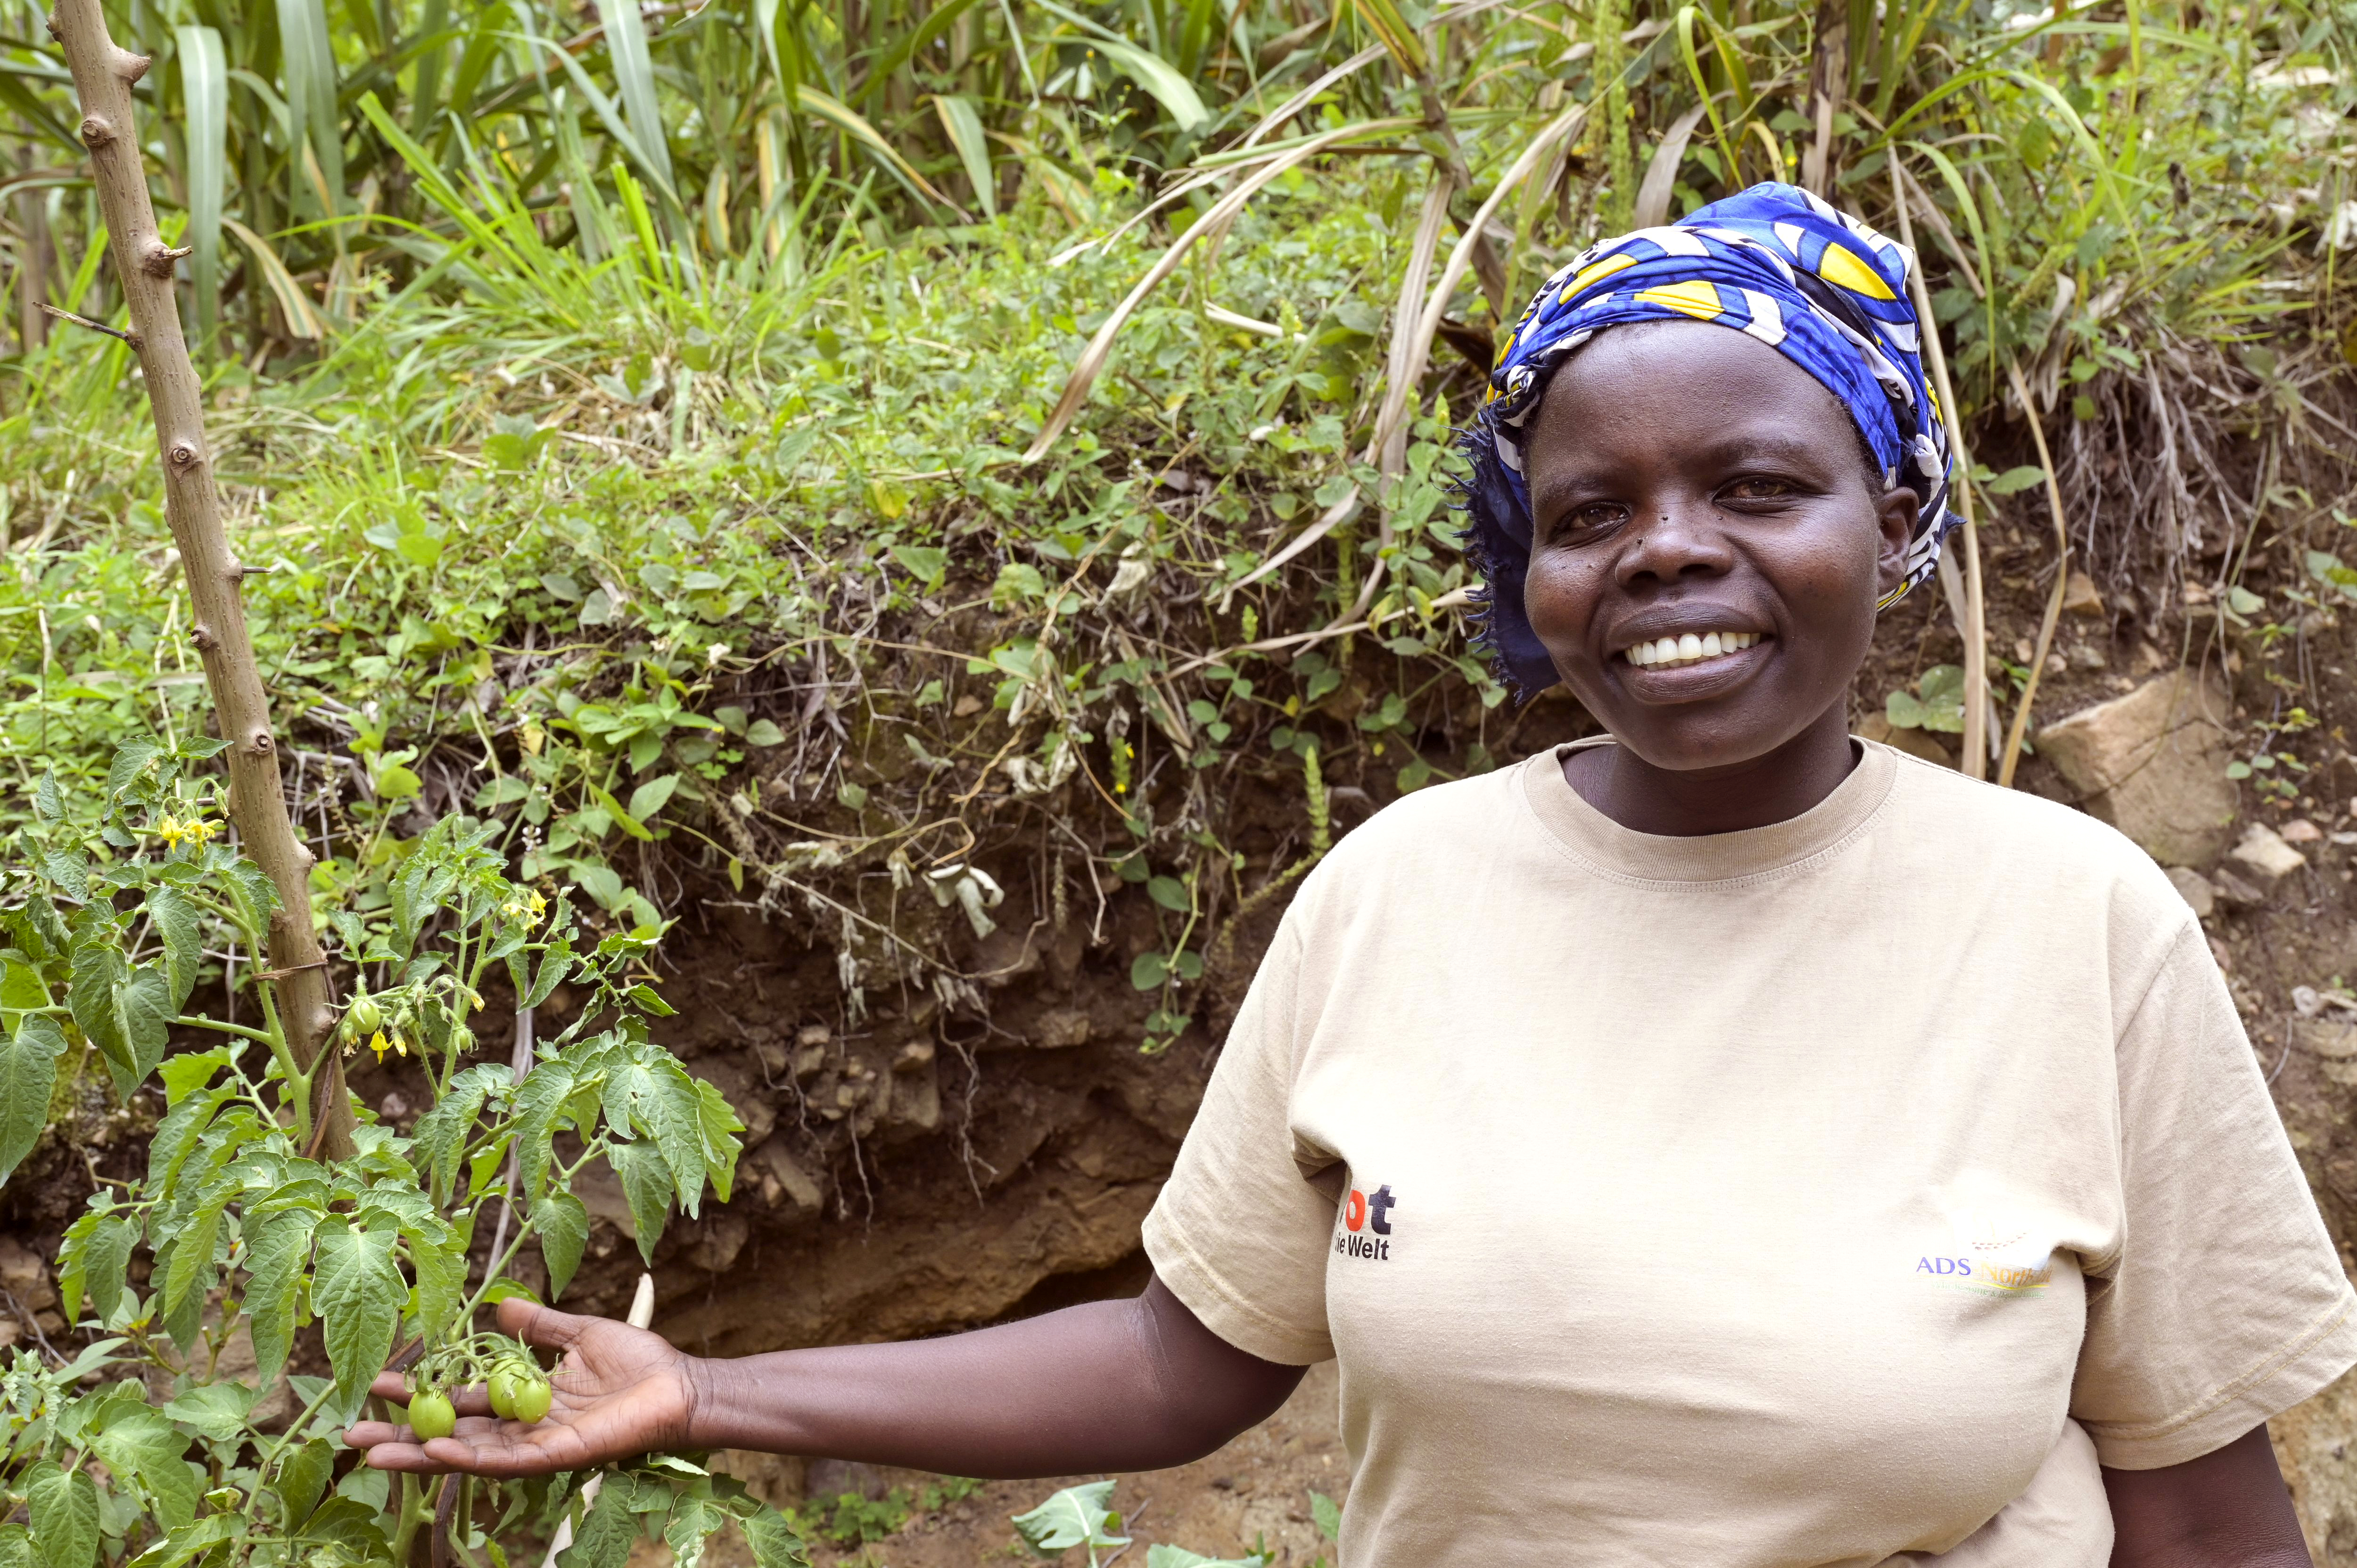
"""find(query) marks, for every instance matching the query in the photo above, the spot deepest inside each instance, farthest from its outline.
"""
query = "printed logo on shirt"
(1367, 1225)
(1991, 1256)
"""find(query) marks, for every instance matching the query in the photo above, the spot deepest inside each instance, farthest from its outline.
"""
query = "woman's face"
(1690, 484)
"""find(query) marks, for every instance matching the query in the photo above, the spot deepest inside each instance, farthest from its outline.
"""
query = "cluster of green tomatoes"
(389, 1023)
(518, 1387)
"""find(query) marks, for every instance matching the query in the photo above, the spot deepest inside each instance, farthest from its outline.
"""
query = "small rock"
(394, 1106)
(2235, 893)
(2223, 955)
(2328, 1037)
(2153, 764)
(2087, 656)
(1061, 1026)
(723, 1237)
(2080, 595)
(2264, 856)
(2299, 830)
(793, 1181)
(2195, 889)
(24, 1277)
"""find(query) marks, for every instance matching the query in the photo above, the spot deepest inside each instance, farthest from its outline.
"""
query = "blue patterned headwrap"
(1774, 262)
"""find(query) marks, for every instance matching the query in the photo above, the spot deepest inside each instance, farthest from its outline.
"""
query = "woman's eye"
(1591, 518)
(1759, 487)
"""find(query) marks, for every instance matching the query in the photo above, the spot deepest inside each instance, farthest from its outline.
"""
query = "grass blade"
(634, 77)
(204, 87)
(302, 316)
(963, 123)
(309, 63)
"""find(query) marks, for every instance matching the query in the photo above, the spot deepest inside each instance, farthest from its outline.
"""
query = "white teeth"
(1688, 649)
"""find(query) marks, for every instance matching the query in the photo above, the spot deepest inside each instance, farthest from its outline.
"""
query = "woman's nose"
(1673, 539)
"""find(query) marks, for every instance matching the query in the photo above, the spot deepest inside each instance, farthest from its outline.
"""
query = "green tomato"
(503, 1383)
(532, 1400)
(431, 1415)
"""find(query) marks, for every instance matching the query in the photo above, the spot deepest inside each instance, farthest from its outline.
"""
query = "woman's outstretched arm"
(1137, 1384)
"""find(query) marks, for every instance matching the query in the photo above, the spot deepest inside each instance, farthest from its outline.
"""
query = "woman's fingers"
(537, 1325)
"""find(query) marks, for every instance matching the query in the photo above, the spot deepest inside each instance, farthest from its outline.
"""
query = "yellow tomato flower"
(377, 1044)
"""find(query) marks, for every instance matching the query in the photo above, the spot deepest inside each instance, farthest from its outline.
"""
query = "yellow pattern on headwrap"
(1601, 270)
(1838, 266)
(1695, 298)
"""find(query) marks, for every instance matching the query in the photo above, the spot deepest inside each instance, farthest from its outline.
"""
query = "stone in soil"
(2153, 764)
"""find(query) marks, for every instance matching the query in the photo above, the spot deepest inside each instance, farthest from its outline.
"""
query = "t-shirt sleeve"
(2227, 1304)
(1240, 1232)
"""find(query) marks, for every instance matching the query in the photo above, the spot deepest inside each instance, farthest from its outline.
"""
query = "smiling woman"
(1723, 1141)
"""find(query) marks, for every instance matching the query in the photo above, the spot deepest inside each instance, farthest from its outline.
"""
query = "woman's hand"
(619, 1392)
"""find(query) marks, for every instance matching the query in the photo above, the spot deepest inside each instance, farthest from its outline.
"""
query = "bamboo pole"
(104, 74)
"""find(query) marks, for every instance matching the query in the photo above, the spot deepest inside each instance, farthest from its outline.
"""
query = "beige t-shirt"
(1833, 1192)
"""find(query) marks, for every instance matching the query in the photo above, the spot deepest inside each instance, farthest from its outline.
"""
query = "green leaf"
(64, 1507)
(303, 1479)
(693, 1521)
(1077, 1516)
(141, 1440)
(21, 988)
(347, 1523)
(126, 1012)
(772, 1539)
(1147, 971)
(1903, 711)
(763, 732)
(94, 1256)
(131, 760)
(652, 795)
(46, 805)
(554, 965)
(924, 562)
(647, 1184)
(622, 818)
(1328, 1515)
(192, 1540)
(173, 914)
(2243, 602)
(603, 1538)
(17, 1547)
(357, 1293)
(441, 1135)
(183, 1074)
(562, 1225)
(1162, 1556)
(195, 1241)
(720, 1125)
(441, 1274)
(28, 1075)
(1168, 892)
(539, 1100)
(218, 1410)
(2015, 480)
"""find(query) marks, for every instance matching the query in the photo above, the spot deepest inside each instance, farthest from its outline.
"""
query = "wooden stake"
(104, 74)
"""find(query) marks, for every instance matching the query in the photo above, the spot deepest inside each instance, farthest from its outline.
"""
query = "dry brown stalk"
(104, 74)
(1969, 607)
(2061, 578)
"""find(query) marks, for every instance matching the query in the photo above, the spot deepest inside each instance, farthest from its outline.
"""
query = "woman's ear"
(1894, 513)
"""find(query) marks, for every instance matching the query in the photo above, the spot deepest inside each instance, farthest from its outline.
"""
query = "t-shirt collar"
(1597, 839)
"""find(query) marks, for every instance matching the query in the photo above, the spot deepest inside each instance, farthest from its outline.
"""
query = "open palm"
(618, 1391)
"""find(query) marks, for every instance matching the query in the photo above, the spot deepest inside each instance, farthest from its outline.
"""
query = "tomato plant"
(142, 1448)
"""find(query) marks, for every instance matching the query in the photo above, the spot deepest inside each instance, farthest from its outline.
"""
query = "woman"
(1724, 1143)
